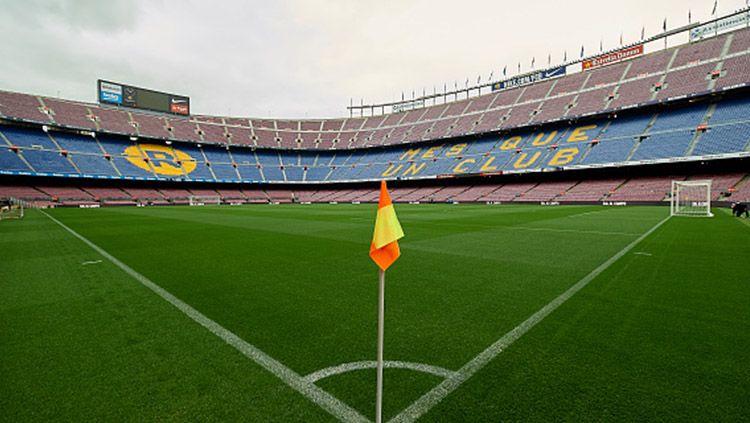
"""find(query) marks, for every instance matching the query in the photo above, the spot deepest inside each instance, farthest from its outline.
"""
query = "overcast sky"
(305, 58)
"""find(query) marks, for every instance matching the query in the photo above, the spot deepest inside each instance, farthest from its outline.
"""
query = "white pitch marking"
(587, 213)
(576, 231)
(315, 394)
(438, 393)
(641, 253)
(86, 263)
(362, 365)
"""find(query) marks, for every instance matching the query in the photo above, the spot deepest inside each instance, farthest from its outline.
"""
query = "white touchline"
(315, 394)
(361, 365)
(438, 393)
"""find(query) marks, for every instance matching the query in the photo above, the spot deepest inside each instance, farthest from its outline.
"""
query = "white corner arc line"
(438, 393)
(312, 392)
(362, 365)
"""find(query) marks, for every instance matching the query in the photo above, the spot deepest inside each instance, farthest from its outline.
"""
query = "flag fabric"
(384, 249)
(643, 32)
(581, 51)
(690, 16)
(505, 70)
(664, 26)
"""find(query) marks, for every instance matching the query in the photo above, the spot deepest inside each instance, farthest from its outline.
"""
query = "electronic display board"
(141, 98)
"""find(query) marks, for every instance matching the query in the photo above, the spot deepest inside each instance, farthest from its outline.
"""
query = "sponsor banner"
(410, 105)
(110, 93)
(529, 78)
(130, 97)
(179, 105)
(613, 57)
(720, 26)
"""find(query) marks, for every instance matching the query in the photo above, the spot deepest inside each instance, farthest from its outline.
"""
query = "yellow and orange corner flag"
(384, 248)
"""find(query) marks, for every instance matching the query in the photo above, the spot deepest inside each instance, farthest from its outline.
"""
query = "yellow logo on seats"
(162, 159)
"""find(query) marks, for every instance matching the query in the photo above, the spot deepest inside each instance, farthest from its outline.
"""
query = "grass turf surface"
(661, 334)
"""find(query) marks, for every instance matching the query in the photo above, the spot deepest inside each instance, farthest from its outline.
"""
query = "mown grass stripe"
(450, 384)
(314, 393)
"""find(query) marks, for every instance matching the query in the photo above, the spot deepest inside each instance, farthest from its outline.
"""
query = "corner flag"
(384, 249)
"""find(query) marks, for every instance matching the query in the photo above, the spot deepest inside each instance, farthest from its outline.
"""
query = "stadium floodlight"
(691, 198)
(11, 208)
(205, 200)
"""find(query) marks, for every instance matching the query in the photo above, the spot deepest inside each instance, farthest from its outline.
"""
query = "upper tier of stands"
(697, 131)
(717, 63)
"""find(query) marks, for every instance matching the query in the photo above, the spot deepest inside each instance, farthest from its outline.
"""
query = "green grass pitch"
(661, 334)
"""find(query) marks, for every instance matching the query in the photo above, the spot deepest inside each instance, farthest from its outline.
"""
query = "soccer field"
(269, 313)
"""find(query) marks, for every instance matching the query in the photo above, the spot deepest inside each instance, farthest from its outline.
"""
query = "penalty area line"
(450, 384)
(308, 389)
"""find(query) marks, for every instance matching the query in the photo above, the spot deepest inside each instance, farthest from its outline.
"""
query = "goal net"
(205, 200)
(11, 208)
(691, 198)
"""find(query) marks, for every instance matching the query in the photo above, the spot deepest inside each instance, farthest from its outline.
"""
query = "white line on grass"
(588, 213)
(438, 393)
(361, 365)
(573, 231)
(315, 394)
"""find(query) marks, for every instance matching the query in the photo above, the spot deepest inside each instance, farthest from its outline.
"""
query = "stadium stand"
(701, 130)
(678, 71)
(684, 103)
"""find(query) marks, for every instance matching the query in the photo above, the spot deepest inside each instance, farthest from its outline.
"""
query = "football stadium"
(565, 243)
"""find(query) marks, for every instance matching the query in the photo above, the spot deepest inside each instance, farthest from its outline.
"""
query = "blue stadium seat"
(664, 145)
(724, 139)
(11, 162)
(76, 143)
(681, 118)
(627, 127)
(93, 164)
(610, 151)
(732, 111)
(294, 173)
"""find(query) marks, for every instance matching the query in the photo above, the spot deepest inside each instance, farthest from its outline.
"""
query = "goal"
(691, 198)
(11, 208)
(205, 200)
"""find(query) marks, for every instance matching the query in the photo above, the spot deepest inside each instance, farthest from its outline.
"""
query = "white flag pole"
(381, 313)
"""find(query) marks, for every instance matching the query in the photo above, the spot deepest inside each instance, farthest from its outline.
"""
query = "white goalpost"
(691, 198)
(11, 208)
(205, 200)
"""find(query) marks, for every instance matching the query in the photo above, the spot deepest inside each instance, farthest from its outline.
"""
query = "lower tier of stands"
(725, 187)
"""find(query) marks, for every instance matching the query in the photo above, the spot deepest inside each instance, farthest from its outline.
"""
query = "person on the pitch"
(739, 208)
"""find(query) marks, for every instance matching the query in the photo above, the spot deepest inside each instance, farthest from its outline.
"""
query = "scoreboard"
(141, 98)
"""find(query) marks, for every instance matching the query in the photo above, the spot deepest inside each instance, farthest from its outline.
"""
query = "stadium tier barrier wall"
(726, 187)
(712, 65)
